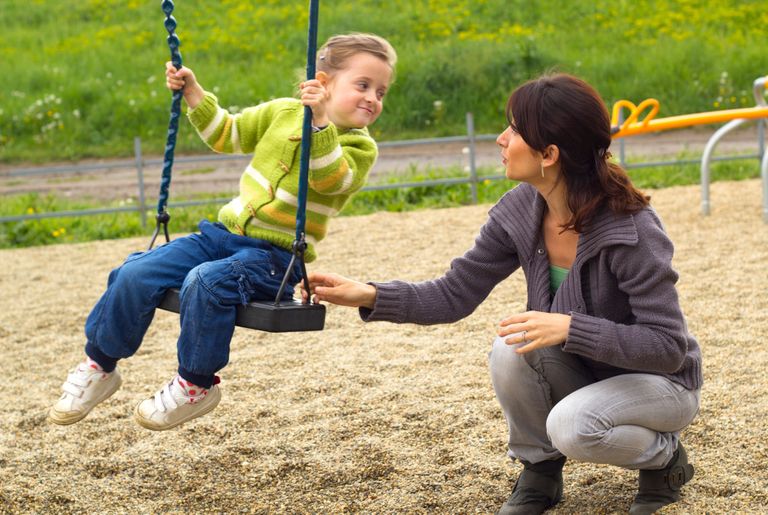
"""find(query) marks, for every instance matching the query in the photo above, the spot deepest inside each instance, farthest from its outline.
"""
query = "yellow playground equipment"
(633, 125)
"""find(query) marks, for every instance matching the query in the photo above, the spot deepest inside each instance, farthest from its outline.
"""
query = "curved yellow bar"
(634, 112)
(686, 120)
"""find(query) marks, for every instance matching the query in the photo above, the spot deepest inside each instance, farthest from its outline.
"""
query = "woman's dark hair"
(565, 111)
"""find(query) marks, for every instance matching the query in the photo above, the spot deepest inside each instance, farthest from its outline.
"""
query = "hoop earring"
(542, 169)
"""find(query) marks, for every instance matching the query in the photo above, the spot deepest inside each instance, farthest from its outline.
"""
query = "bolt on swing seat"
(271, 316)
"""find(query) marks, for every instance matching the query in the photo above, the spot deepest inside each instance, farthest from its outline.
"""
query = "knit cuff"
(204, 112)
(202, 380)
(387, 305)
(583, 335)
(325, 141)
(108, 363)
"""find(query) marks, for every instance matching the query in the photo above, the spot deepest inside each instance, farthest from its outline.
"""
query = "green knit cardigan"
(267, 201)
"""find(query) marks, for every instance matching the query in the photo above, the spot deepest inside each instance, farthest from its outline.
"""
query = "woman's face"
(521, 162)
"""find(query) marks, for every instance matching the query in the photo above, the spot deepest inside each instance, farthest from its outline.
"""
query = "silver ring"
(524, 338)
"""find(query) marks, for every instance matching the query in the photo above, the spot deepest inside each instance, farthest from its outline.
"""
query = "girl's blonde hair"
(334, 54)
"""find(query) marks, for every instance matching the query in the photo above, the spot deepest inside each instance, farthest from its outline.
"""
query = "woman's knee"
(507, 366)
(575, 429)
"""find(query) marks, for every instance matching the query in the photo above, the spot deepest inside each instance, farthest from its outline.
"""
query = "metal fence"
(472, 178)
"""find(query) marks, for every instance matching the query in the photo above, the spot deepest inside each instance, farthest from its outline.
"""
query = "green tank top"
(556, 277)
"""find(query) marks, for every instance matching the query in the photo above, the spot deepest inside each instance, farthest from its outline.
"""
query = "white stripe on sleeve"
(206, 133)
(322, 162)
(347, 183)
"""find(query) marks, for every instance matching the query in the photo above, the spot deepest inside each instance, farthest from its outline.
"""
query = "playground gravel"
(373, 418)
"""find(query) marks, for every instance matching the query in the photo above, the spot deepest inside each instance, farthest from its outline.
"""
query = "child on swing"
(244, 255)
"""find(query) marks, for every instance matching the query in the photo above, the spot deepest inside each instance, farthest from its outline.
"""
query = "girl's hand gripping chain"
(315, 95)
(184, 78)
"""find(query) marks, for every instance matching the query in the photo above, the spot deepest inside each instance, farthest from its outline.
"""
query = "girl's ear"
(551, 155)
(322, 77)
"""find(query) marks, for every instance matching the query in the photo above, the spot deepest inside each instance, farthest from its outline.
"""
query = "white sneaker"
(172, 406)
(85, 387)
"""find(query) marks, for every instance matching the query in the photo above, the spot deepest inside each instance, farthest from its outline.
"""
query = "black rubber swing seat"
(283, 317)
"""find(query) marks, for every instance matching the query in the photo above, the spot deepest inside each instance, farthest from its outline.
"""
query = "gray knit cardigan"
(620, 291)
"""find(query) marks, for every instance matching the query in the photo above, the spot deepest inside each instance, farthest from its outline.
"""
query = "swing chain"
(298, 248)
(162, 220)
(163, 217)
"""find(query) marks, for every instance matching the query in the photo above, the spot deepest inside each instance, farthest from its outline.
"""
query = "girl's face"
(356, 93)
(521, 162)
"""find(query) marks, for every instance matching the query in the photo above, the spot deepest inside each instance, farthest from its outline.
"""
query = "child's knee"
(131, 272)
(216, 281)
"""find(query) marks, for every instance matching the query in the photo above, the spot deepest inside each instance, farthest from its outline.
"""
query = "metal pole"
(622, 149)
(706, 158)
(472, 151)
(764, 177)
(140, 176)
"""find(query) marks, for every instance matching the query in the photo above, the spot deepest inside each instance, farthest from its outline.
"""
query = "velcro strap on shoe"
(673, 478)
(543, 484)
(72, 389)
(78, 380)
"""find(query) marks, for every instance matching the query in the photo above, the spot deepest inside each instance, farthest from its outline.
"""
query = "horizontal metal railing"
(472, 178)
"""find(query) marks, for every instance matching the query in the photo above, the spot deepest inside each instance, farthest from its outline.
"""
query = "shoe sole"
(215, 395)
(66, 418)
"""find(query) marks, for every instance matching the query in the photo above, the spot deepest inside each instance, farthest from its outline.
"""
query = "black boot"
(538, 488)
(661, 487)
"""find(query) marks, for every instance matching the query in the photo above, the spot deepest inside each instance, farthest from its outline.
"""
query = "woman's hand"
(337, 289)
(536, 329)
(314, 95)
(184, 78)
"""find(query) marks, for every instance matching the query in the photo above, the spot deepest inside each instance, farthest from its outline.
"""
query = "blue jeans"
(555, 406)
(215, 270)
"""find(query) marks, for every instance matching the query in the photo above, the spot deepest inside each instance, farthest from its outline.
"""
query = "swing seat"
(286, 316)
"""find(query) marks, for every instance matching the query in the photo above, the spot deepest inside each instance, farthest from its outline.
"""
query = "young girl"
(244, 255)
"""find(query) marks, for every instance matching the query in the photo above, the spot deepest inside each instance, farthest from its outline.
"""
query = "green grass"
(82, 78)
(119, 225)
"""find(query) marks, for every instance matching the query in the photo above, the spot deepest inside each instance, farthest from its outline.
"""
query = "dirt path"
(375, 418)
(221, 178)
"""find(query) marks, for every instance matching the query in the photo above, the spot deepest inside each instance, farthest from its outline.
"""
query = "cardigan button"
(540, 252)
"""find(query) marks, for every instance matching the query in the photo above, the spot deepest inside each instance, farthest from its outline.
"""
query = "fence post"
(140, 175)
(472, 167)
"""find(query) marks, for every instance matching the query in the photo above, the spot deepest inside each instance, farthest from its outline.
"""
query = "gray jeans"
(554, 406)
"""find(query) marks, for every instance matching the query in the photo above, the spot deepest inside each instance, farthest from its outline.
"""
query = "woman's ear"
(322, 77)
(550, 155)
